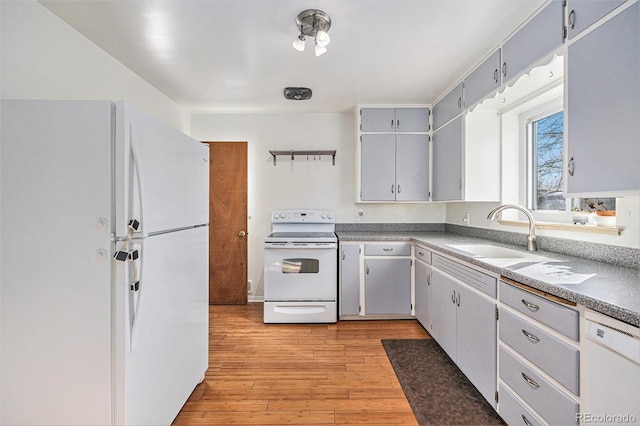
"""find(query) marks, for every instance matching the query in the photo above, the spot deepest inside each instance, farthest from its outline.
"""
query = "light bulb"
(298, 43)
(322, 38)
(320, 50)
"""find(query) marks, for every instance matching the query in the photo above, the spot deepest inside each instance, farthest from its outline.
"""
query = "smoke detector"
(297, 93)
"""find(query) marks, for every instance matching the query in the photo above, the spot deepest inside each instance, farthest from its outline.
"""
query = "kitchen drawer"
(554, 405)
(561, 318)
(387, 249)
(558, 359)
(513, 412)
(423, 254)
(474, 278)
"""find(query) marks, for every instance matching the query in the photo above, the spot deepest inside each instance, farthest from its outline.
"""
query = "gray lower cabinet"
(603, 106)
(551, 403)
(387, 286)
(394, 167)
(539, 358)
(349, 278)
(423, 287)
(464, 325)
(448, 161)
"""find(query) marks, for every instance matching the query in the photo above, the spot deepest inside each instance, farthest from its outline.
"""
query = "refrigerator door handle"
(137, 185)
(135, 295)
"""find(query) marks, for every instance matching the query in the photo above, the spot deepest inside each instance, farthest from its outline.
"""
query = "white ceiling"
(236, 55)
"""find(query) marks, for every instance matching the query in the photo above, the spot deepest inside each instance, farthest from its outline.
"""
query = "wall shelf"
(307, 153)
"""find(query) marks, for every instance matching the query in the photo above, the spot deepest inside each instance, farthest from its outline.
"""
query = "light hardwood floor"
(298, 374)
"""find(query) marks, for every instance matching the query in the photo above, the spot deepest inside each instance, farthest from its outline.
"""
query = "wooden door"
(228, 223)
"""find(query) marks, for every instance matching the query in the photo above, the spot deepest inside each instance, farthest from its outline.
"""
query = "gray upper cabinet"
(412, 120)
(602, 108)
(583, 13)
(394, 167)
(540, 36)
(378, 169)
(412, 167)
(482, 81)
(393, 154)
(378, 120)
(448, 107)
(447, 162)
(405, 120)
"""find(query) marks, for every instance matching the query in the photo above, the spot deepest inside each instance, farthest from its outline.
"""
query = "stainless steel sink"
(499, 256)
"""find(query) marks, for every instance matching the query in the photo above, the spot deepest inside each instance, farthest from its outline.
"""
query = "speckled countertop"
(609, 289)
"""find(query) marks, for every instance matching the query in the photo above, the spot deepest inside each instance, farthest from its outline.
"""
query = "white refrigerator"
(103, 265)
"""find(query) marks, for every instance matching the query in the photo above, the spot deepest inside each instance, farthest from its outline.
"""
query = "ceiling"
(229, 56)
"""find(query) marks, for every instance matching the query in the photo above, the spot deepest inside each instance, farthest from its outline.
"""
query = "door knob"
(242, 234)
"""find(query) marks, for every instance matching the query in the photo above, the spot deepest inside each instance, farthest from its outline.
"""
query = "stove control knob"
(322, 215)
(330, 215)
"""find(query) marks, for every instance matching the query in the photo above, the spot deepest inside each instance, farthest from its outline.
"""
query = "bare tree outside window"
(549, 145)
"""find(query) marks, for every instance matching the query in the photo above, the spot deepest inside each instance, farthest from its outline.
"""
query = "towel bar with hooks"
(293, 153)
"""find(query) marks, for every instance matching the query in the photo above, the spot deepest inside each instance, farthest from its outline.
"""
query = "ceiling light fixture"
(313, 23)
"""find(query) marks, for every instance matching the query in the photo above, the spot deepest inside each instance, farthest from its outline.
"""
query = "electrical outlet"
(359, 216)
(249, 287)
(465, 218)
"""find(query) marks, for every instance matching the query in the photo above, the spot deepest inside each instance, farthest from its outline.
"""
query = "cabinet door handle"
(531, 382)
(398, 189)
(397, 124)
(531, 337)
(387, 249)
(504, 69)
(571, 167)
(530, 305)
(343, 255)
(572, 19)
(495, 76)
(453, 297)
(393, 187)
(458, 299)
(428, 279)
(392, 124)
(526, 422)
(367, 270)
(460, 102)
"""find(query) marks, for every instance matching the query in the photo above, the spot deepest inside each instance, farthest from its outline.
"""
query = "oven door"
(304, 272)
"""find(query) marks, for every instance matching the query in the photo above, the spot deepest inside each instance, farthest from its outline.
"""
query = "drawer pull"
(531, 382)
(531, 336)
(420, 254)
(530, 305)
(526, 422)
(387, 249)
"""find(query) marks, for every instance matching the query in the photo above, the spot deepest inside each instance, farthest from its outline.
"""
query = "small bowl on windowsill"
(606, 218)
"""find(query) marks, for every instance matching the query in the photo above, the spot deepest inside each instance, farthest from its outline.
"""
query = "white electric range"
(301, 267)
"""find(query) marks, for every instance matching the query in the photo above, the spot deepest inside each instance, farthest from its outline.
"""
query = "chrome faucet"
(532, 245)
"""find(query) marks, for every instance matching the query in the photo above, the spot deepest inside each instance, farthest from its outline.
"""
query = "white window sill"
(593, 229)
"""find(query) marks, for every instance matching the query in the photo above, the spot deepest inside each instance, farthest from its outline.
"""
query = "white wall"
(300, 183)
(41, 57)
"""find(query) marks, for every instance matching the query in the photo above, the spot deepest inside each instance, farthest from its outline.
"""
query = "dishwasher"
(610, 371)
